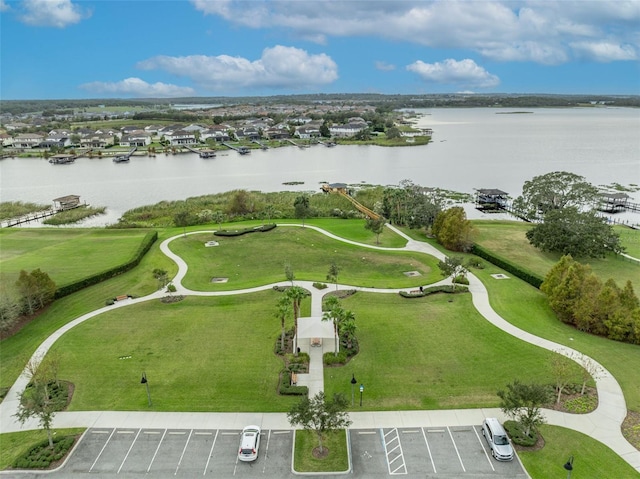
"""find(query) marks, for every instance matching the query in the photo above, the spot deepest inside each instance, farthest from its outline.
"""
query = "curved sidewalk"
(603, 424)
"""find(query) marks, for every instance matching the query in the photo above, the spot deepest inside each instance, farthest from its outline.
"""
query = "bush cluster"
(318, 285)
(144, 247)
(254, 229)
(287, 389)
(433, 290)
(517, 435)
(41, 456)
(531, 278)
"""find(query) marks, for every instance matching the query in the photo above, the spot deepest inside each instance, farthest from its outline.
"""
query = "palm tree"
(335, 313)
(348, 327)
(283, 310)
(295, 294)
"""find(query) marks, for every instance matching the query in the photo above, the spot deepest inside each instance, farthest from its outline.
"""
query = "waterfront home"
(307, 132)
(27, 140)
(348, 129)
(276, 133)
(217, 132)
(136, 138)
(97, 141)
(58, 140)
(247, 133)
(5, 139)
(180, 137)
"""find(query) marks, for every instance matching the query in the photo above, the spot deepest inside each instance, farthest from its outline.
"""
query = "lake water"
(471, 148)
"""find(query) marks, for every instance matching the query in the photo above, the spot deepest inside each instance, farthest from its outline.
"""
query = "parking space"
(425, 452)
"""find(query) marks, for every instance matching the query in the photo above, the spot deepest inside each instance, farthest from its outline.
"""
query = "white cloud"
(279, 67)
(542, 31)
(464, 72)
(4, 6)
(138, 88)
(604, 51)
(384, 66)
(52, 13)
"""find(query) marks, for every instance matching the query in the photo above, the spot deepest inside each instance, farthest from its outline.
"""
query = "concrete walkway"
(603, 424)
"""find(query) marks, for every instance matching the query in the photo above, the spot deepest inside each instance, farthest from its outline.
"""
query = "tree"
(522, 402)
(284, 309)
(218, 217)
(562, 369)
(452, 266)
(376, 226)
(161, 276)
(183, 219)
(288, 272)
(332, 274)
(240, 203)
(334, 313)
(452, 229)
(555, 191)
(301, 205)
(9, 310)
(324, 130)
(296, 294)
(580, 234)
(320, 415)
(35, 400)
(393, 133)
(36, 289)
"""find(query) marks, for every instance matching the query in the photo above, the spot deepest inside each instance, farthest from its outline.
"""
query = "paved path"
(602, 424)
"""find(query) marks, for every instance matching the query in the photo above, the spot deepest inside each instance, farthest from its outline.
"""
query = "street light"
(146, 383)
(569, 467)
(361, 391)
(353, 383)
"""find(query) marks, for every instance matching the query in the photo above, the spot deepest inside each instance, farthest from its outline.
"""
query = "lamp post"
(146, 383)
(353, 384)
(569, 467)
(361, 391)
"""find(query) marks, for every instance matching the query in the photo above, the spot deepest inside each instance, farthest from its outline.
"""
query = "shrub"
(473, 262)
(254, 229)
(41, 455)
(319, 285)
(287, 389)
(517, 435)
(433, 290)
(331, 359)
(461, 279)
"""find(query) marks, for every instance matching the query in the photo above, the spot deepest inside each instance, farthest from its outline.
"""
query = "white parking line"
(266, 452)
(483, 448)
(102, 450)
(157, 449)
(127, 454)
(456, 448)
(206, 466)
(184, 449)
(429, 450)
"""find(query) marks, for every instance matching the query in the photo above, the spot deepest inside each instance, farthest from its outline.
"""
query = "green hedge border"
(254, 229)
(434, 290)
(143, 249)
(525, 275)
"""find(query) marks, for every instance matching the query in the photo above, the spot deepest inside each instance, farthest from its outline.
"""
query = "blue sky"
(149, 48)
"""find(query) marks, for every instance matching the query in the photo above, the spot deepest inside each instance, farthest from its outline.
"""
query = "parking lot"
(447, 452)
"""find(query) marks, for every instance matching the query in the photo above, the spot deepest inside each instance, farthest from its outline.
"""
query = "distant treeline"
(17, 107)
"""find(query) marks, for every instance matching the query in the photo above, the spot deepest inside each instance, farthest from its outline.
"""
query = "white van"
(497, 438)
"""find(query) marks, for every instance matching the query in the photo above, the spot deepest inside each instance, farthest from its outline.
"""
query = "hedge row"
(244, 231)
(287, 389)
(144, 247)
(517, 435)
(525, 275)
(433, 290)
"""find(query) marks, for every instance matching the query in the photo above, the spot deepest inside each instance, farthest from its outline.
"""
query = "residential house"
(58, 140)
(217, 132)
(180, 137)
(136, 138)
(307, 132)
(97, 140)
(247, 133)
(27, 140)
(348, 129)
(276, 133)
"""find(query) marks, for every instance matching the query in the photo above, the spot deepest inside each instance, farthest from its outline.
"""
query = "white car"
(249, 443)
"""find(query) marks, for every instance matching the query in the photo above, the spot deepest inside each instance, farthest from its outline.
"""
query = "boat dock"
(259, 143)
(28, 218)
(203, 153)
(62, 159)
(126, 157)
(243, 150)
(299, 145)
(328, 144)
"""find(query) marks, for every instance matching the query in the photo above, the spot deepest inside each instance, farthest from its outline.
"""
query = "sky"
(68, 49)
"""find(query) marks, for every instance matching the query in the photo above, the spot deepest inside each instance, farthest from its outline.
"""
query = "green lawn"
(430, 353)
(335, 443)
(200, 354)
(591, 459)
(65, 254)
(258, 258)
(507, 238)
(531, 312)
(14, 444)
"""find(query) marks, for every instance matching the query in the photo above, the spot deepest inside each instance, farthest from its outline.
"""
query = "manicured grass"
(507, 238)
(337, 459)
(592, 459)
(429, 353)
(258, 258)
(630, 239)
(15, 444)
(66, 255)
(200, 354)
(526, 307)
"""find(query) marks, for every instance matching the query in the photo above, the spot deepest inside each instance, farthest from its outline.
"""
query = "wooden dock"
(203, 153)
(126, 157)
(259, 143)
(243, 150)
(299, 145)
(28, 218)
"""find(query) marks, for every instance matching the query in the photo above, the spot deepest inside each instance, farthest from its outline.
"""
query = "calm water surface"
(471, 148)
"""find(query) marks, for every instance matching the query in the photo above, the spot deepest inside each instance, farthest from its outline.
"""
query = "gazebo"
(491, 199)
(613, 202)
(315, 333)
